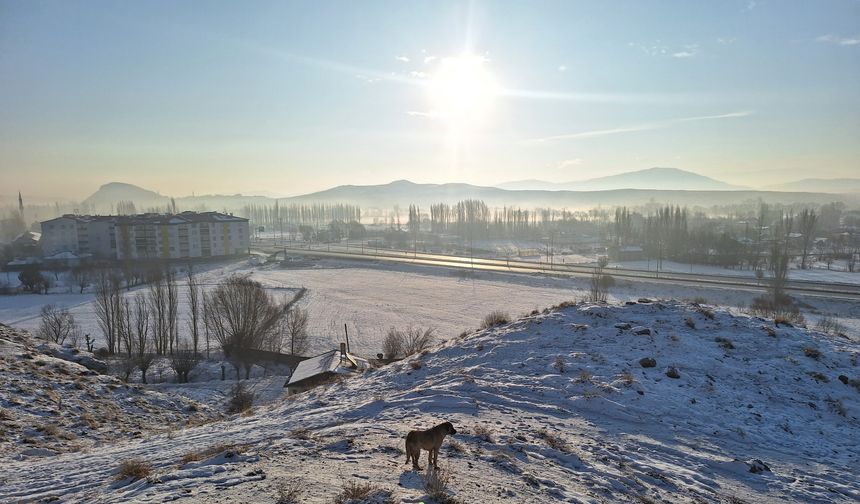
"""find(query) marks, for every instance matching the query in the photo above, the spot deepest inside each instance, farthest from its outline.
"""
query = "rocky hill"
(54, 401)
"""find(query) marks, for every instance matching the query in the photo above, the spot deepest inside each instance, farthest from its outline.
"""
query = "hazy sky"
(290, 97)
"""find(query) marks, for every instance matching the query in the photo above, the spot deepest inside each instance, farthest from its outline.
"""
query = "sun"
(462, 91)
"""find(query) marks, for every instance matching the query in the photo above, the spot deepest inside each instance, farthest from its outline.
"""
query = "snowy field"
(555, 407)
(370, 298)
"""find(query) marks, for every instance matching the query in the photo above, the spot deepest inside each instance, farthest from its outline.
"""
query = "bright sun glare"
(462, 90)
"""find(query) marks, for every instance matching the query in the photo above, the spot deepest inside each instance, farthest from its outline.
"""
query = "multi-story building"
(147, 236)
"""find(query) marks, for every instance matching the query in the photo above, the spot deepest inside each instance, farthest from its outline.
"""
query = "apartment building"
(147, 236)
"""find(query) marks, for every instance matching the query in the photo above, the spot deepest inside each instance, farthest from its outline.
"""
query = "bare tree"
(82, 276)
(172, 307)
(125, 327)
(142, 342)
(107, 307)
(57, 325)
(241, 315)
(194, 308)
(158, 308)
(295, 326)
(808, 223)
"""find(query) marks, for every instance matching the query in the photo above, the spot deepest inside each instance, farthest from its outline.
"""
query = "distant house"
(323, 368)
(629, 253)
(26, 244)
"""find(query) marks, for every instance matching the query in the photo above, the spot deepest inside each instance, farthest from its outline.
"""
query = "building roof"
(154, 218)
(324, 363)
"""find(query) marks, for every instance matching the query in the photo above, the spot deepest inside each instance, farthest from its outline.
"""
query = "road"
(818, 289)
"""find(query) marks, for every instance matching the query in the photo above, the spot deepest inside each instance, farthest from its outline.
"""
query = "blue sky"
(290, 97)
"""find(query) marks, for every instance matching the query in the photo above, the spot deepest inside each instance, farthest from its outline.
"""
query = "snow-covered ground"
(370, 298)
(553, 407)
(816, 274)
(51, 404)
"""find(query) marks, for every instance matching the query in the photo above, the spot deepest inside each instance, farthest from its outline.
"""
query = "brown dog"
(430, 440)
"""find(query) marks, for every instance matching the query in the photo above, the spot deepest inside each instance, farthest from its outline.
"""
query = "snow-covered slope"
(51, 404)
(553, 407)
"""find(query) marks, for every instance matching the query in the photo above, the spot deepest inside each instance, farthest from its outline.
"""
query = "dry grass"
(495, 318)
(303, 434)
(559, 364)
(690, 323)
(456, 446)
(194, 456)
(355, 492)
(706, 312)
(829, 325)
(554, 441)
(290, 490)
(133, 469)
(483, 433)
(436, 486)
(416, 364)
(627, 378)
(584, 377)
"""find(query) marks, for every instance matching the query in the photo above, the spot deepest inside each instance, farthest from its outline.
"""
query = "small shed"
(322, 368)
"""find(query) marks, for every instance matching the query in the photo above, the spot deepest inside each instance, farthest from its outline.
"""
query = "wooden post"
(346, 332)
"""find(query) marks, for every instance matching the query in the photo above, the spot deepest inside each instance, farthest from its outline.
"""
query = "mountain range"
(650, 178)
(662, 185)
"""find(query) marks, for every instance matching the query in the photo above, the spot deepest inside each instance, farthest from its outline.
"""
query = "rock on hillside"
(52, 404)
(554, 407)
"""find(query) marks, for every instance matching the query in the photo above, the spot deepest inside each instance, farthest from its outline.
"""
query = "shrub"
(559, 364)
(690, 323)
(811, 352)
(724, 343)
(495, 318)
(241, 398)
(290, 490)
(416, 364)
(829, 325)
(400, 343)
(134, 469)
(706, 312)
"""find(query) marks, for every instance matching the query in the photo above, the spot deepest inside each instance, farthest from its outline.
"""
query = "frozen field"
(370, 298)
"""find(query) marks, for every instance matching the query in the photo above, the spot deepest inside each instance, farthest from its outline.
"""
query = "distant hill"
(106, 198)
(108, 195)
(650, 178)
(404, 192)
(835, 186)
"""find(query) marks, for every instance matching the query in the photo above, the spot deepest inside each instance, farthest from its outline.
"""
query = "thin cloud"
(429, 59)
(418, 113)
(841, 41)
(404, 59)
(639, 127)
(569, 163)
(683, 54)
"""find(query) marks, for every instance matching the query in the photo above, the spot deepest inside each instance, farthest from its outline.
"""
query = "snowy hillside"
(557, 406)
(52, 404)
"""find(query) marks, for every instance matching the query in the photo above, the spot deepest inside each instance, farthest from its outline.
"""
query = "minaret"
(20, 204)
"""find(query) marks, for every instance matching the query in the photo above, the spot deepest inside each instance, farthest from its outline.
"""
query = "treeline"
(745, 240)
(316, 215)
